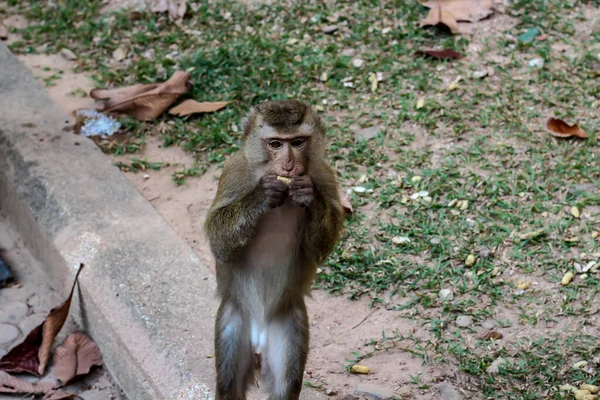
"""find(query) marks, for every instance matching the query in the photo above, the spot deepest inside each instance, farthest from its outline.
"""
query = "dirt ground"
(336, 328)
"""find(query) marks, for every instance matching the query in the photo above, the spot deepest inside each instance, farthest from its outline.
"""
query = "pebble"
(119, 54)
(68, 54)
(464, 321)
(374, 391)
(536, 63)
(446, 295)
(329, 29)
(449, 392)
(8, 333)
(488, 324)
(348, 52)
(13, 312)
(358, 62)
(480, 74)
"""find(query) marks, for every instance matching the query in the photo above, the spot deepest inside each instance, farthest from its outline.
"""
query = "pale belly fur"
(268, 262)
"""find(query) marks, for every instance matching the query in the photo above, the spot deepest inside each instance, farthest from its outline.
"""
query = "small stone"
(329, 29)
(449, 392)
(68, 54)
(8, 333)
(480, 74)
(119, 54)
(367, 133)
(464, 321)
(358, 62)
(146, 177)
(446, 295)
(488, 324)
(13, 312)
(374, 391)
(330, 392)
(348, 52)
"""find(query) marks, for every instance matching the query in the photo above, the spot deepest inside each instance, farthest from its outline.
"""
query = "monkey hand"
(301, 191)
(274, 190)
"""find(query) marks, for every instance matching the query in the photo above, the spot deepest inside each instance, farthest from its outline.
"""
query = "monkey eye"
(275, 144)
(297, 142)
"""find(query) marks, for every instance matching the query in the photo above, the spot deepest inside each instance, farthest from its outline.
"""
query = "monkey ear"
(250, 120)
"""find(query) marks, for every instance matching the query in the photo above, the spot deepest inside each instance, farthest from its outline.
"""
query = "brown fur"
(268, 239)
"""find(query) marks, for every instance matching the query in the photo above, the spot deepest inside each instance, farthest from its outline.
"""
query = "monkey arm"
(325, 217)
(235, 212)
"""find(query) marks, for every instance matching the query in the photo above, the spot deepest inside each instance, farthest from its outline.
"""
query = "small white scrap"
(536, 63)
(359, 189)
(400, 240)
(98, 124)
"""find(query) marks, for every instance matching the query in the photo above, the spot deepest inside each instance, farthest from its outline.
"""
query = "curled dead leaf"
(11, 384)
(33, 353)
(75, 356)
(61, 395)
(446, 54)
(490, 335)
(449, 12)
(144, 102)
(188, 107)
(559, 128)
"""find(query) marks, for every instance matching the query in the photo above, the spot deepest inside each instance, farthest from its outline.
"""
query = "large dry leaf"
(11, 384)
(33, 353)
(188, 107)
(561, 129)
(60, 395)
(118, 95)
(75, 357)
(144, 104)
(446, 54)
(449, 12)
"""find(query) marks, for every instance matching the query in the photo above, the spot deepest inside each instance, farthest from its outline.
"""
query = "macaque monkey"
(276, 216)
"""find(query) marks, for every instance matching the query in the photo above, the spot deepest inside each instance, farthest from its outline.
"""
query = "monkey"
(275, 217)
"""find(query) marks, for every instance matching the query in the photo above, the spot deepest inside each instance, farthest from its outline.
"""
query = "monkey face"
(287, 155)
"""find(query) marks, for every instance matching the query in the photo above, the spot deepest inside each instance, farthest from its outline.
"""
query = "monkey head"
(281, 137)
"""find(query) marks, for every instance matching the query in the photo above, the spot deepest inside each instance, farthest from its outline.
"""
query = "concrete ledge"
(145, 296)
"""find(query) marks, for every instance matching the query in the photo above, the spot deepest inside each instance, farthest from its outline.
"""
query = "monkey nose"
(288, 167)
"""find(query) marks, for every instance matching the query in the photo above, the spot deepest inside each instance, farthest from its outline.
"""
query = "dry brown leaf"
(60, 395)
(449, 12)
(489, 335)
(188, 107)
(11, 384)
(33, 353)
(118, 95)
(75, 357)
(144, 104)
(446, 54)
(561, 129)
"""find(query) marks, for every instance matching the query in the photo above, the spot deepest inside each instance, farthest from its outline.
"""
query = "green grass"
(484, 142)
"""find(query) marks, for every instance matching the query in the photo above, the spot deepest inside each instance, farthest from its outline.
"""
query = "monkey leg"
(287, 350)
(233, 353)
